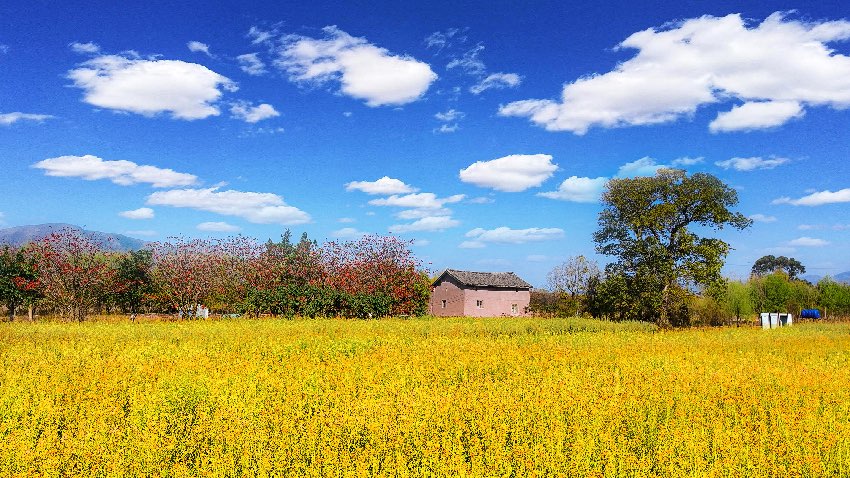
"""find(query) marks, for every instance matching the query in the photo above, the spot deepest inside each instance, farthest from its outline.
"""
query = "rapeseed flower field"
(422, 397)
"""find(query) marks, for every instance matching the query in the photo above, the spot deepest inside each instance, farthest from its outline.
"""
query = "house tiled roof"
(487, 279)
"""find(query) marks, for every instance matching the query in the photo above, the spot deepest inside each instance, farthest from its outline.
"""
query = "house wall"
(451, 292)
(497, 302)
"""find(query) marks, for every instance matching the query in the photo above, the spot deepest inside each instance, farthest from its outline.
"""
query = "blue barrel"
(810, 314)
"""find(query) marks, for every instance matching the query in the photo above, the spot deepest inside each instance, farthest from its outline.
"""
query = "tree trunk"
(31, 313)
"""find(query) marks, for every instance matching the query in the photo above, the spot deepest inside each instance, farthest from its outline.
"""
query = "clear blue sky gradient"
(324, 138)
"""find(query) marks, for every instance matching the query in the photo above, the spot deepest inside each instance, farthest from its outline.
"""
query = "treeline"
(68, 274)
(727, 302)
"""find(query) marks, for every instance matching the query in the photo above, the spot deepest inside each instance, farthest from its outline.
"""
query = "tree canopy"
(647, 225)
(770, 264)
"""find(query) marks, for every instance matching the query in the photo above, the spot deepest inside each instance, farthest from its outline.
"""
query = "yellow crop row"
(422, 397)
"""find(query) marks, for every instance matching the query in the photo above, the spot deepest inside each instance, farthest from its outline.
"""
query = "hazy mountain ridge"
(20, 235)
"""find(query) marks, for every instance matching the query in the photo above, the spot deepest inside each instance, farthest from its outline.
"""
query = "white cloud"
(260, 208)
(217, 227)
(441, 40)
(148, 87)
(701, 61)
(244, 111)
(259, 36)
(751, 164)
(481, 200)
(688, 161)
(762, 218)
(645, 166)
(143, 233)
(85, 48)
(121, 172)
(417, 201)
(513, 173)
(422, 213)
(348, 232)
(450, 115)
(470, 62)
(7, 119)
(250, 63)
(504, 235)
(578, 189)
(384, 185)
(346, 220)
(808, 242)
(756, 115)
(364, 71)
(447, 128)
(198, 47)
(818, 198)
(809, 227)
(421, 242)
(141, 213)
(496, 81)
(430, 223)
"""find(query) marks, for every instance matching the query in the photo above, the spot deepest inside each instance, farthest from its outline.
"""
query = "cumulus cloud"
(217, 227)
(688, 161)
(578, 189)
(762, 218)
(426, 224)
(260, 208)
(817, 198)
(751, 164)
(776, 68)
(364, 71)
(504, 235)
(447, 128)
(756, 115)
(513, 173)
(385, 185)
(808, 242)
(252, 64)
(417, 200)
(198, 47)
(125, 173)
(7, 119)
(85, 48)
(645, 166)
(244, 111)
(141, 213)
(496, 81)
(149, 87)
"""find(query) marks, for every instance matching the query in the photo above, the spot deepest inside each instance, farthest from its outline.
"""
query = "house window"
(443, 303)
(479, 304)
(514, 309)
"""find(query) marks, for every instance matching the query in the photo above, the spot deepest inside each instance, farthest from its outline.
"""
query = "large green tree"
(769, 264)
(647, 225)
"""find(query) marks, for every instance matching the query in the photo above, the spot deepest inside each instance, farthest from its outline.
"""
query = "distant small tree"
(737, 301)
(769, 264)
(19, 285)
(771, 293)
(134, 281)
(572, 279)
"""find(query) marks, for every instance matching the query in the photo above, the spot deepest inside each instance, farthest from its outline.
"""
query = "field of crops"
(422, 397)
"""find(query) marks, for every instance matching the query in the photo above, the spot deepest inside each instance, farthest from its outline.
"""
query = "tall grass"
(422, 397)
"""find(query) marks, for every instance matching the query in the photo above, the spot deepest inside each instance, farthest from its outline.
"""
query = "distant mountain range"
(20, 235)
(842, 277)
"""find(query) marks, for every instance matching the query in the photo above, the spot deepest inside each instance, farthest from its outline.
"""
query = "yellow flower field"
(422, 397)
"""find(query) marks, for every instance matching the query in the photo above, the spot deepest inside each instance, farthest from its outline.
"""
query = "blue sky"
(482, 131)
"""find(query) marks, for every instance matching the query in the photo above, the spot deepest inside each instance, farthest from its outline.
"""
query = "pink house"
(479, 294)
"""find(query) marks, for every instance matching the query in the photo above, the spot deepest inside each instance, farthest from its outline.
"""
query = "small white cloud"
(688, 161)
(775, 68)
(198, 47)
(447, 128)
(85, 48)
(7, 119)
(141, 213)
(408, 214)
(578, 189)
(645, 166)
(347, 114)
(124, 173)
(417, 201)
(808, 242)
(496, 81)
(470, 62)
(383, 186)
(762, 218)
(450, 115)
(751, 164)
(187, 91)
(363, 70)
(348, 232)
(817, 199)
(346, 220)
(217, 227)
(810, 227)
(252, 64)
(259, 208)
(429, 224)
(421, 242)
(244, 111)
(513, 173)
(504, 235)
(481, 200)
(260, 36)
(142, 233)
